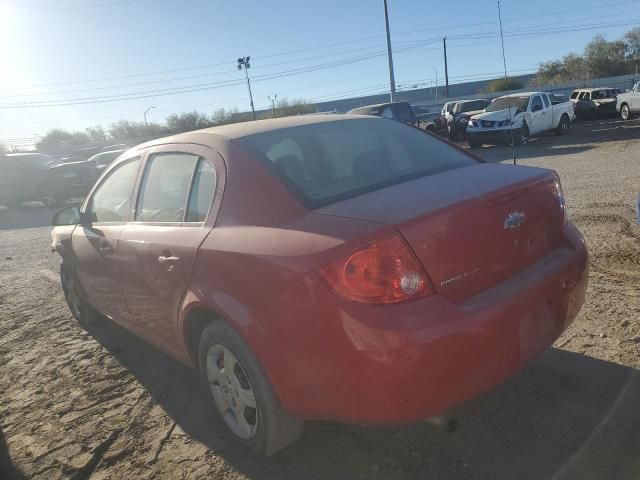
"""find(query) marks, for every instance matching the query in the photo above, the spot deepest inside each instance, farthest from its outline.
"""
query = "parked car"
(35, 177)
(519, 116)
(628, 103)
(447, 111)
(326, 267)
(461, 113)
(400, 111)
(103, 160)
(594, 102)
(431, 121)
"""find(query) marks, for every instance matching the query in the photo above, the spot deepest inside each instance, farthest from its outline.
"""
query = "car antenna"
(506, 85)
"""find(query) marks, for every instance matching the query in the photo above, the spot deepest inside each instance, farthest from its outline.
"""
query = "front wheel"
(80, 309)
(244, 398)
(522, 135)
(563, 126)
(474, 143)
(625, 112)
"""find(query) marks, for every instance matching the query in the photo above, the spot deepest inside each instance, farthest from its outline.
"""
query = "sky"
(77, 63)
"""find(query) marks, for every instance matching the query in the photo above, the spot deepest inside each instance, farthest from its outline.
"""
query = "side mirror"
(68, 216)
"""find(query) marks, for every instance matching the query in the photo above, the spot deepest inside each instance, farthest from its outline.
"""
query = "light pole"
(273, 104)
(244, 62)
(146, 125)
(392, 79)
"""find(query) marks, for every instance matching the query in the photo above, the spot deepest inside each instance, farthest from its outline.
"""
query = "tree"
(603, 58)
(499, 85)
(223, 117)
(58, 139)
(127, 129)
(186, 122)
(632, 45)
(96, 133)
(284, 108)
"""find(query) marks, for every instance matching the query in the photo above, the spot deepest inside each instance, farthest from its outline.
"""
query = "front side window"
(112, 200)
(165, 187)
(536, 103)
(545, 99)
(347, 158)
(574, 95)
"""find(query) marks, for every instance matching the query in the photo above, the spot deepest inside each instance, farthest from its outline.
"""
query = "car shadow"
(566, 416)
(583, 136)
(8, 471)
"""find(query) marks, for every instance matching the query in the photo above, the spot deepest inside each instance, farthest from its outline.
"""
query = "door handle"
(167, 259)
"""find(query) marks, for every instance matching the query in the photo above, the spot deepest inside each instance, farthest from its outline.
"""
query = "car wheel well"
(194, 324)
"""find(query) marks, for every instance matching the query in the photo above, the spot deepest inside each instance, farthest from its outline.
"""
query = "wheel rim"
(232, 392)
(625, 112)
(525, 134)
(565, 125)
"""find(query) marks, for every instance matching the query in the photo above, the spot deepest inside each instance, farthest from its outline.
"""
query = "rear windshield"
(327, 162)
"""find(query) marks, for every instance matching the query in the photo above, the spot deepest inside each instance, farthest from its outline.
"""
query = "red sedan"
(326, 267)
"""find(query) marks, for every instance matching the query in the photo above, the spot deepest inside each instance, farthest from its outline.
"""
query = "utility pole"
(273, 105)
(446, 71)
(146, 125)
(243, 62)
(434, 69)
(392, 79)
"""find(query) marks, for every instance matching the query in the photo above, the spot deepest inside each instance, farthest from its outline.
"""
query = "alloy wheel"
(232, 392)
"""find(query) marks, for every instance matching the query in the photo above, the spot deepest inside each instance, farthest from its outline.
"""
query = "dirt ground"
(104, 405)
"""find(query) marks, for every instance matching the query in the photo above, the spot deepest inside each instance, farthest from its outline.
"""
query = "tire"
(625, 112)
(474, 144)
(563, 126)
(522, 137)
(73, 294)
(264, 428)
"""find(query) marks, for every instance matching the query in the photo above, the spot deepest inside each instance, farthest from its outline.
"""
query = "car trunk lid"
(471, 227)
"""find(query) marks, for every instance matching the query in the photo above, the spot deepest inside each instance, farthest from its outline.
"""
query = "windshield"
(327, 162)
(503, 103)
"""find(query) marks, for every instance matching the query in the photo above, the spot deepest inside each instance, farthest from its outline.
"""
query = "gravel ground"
(104, 405)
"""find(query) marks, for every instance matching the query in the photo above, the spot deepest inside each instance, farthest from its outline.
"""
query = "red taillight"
(385, 271)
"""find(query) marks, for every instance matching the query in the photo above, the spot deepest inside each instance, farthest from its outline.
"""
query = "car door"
(157, 250)
(634, 99)
(94, 245)
(538, 115)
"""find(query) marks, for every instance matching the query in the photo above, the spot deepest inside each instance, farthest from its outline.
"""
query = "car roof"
(244, 129)
(474, 100)
(593, 89)
(376, 106)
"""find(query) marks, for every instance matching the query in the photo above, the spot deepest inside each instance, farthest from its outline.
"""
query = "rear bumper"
(494, 136)
(401, 363)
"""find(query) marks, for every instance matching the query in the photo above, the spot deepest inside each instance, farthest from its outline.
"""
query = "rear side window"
(202, 191)
(165, 187)
(574, 95)
(344, 159)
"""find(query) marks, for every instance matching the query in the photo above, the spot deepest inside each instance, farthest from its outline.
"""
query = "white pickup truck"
(628, 103)
(520, 114)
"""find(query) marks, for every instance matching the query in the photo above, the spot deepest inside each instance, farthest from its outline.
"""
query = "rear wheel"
(625, 112)
(563, 126)
(474, 143)
(80, 309)
(245, 401)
